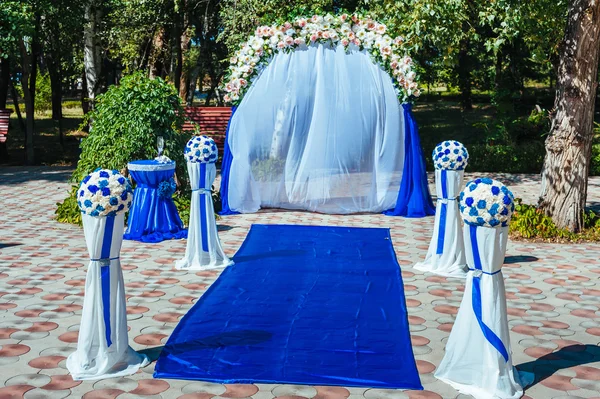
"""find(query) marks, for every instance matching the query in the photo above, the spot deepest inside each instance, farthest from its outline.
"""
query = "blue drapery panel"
(313, 305)
(225, 167)
(152, 218)
(414, 199)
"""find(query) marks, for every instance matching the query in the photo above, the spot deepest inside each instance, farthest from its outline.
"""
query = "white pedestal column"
(446, 254)
(204, 250)
(478, 359)
(103, 349)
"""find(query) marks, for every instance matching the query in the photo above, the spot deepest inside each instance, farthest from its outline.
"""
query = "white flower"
(104, 193)
(290, 32)
(450, 155)
(486, 202)
(201, 149)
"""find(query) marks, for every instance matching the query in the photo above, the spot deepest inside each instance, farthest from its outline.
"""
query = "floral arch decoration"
(353, 32)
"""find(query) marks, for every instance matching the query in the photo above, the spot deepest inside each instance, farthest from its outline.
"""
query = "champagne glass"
(160, 143)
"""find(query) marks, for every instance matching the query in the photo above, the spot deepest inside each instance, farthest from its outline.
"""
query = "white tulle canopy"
(321, 128)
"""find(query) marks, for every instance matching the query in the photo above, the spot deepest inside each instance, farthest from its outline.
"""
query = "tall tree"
(92, 55)
(568, 146)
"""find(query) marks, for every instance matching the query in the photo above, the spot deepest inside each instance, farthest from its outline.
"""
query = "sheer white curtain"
(320, 130)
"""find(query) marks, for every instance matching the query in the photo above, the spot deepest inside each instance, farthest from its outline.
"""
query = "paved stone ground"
(553, 298)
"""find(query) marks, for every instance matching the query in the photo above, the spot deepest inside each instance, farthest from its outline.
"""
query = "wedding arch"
(322, 121)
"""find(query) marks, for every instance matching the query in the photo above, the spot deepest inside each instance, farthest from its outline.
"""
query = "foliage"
(43, 94)
(595, 161)
(125, 123)
(240, 17)
(15, 23)
(68, 210)
(529, 222)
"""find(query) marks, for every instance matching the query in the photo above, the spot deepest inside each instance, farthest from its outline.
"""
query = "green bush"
(595, 162)
(43, 94)
(124, 126)
(530, 222)
(524, 158)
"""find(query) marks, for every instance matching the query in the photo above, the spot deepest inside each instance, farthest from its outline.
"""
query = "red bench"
(4, 122)
(211, 120)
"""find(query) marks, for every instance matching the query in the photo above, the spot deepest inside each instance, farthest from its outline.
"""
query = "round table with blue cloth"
(153, 216)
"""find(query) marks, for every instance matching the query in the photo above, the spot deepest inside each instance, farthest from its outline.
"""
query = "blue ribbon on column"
(414, 199)
(476, 298)
(105, 275)
(443, 214)
(203, 219)
(225, 168)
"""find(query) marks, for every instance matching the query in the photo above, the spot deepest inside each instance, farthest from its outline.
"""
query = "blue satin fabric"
(476, 298)
(152, 218)
(310, 305)
(414, 199)
(443, 214)
(225, 168)
(105, 276)
(203, 216)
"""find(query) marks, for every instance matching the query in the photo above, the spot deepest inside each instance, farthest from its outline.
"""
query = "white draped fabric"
(203, 250)
(472, 364)
(320, 130)
(103, 349)
(446, 254)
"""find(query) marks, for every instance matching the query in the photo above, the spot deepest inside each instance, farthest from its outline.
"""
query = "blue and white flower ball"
(450, 155)
(201, 149)
(104, 192)
(486, 202)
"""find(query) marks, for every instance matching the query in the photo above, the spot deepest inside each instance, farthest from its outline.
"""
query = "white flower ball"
(104, 193)
(486, 202)
(201, 149)
(450, 155)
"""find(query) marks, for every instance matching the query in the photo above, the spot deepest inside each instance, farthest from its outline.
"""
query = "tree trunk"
(28, 81)
(4, 80)
(92, 53)
(184, 77)
(54, 70)
(568, 146)
(157, 54)
(85, 104)
(15, 99)
(465, 64)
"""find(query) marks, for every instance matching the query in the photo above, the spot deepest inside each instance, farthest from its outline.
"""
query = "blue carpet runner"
(302, 305)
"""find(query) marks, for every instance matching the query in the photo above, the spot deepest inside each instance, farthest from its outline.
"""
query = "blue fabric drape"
(310, 305)
(152, 218)
(492, 338)
(225, 167)
(414, 199)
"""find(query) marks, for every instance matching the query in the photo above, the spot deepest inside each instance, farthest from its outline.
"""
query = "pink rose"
(344, 17)
(394, 65)
(345, 42)
(356, 41)
(313, 38)
(280, 45)
(371, 25)
(226, 98)
(287, 26)
(243, 82)
(298, 41)
(354, 18)
(351, 36)
(288, 40)
(325, 35)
